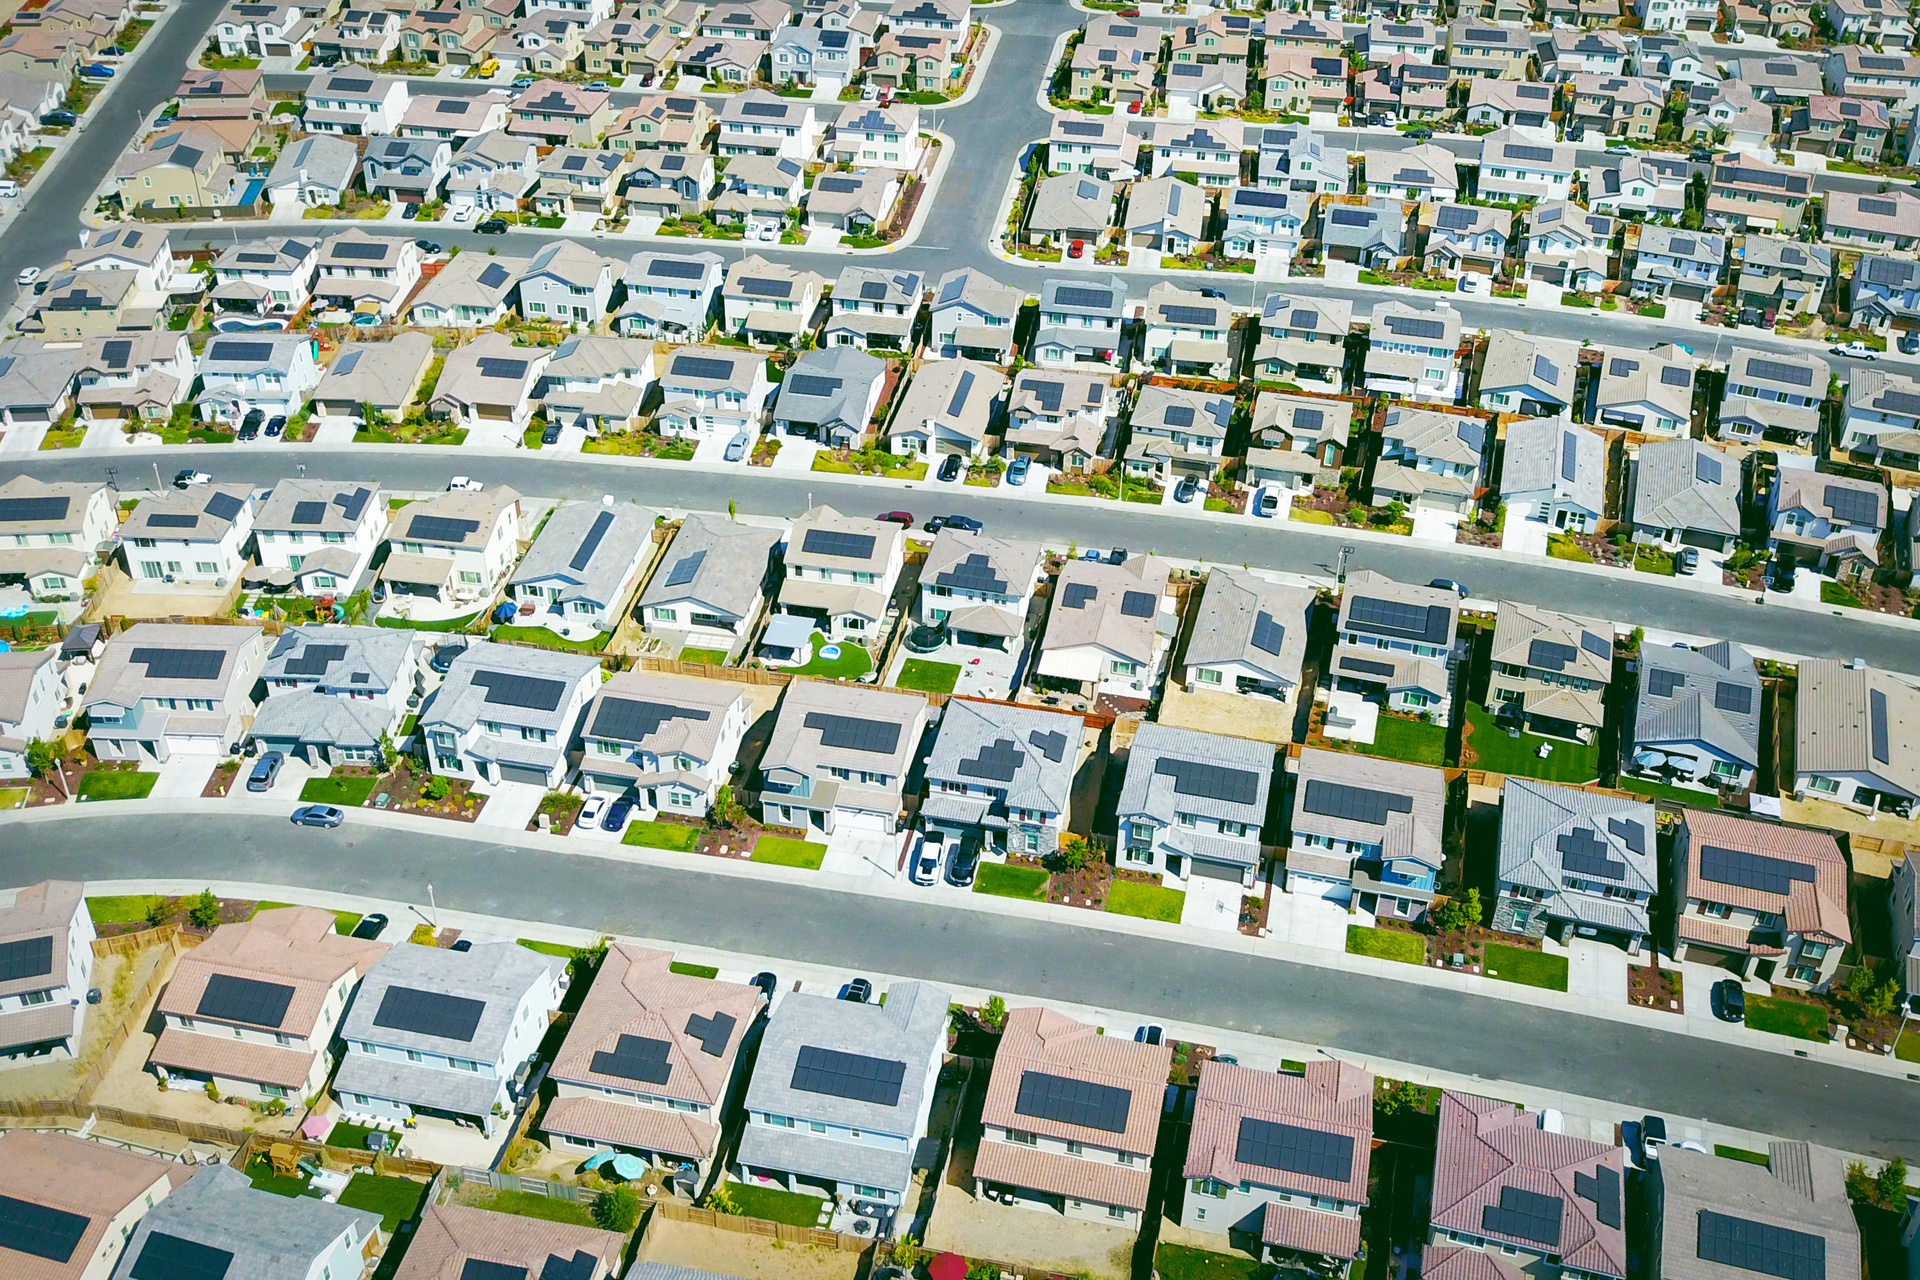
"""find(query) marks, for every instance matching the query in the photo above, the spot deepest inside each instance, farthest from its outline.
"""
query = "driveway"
(1522, 532)
(184, 776)
(1318, 922)
(796, 454)
(1435, 526)
(863, 853)
(1596, 970)
(1215, 904)
(511, 805)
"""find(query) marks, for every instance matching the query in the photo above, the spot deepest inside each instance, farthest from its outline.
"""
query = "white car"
(27, 275)
(464, 213)
(927, 858)
(588, 819)
(464, 484)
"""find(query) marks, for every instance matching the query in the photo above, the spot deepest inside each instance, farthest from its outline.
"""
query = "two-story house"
(1568, 246)
(1366, 833)
(1177, 433)
(454, 547)
(670, 295)
(1193, 804)
(1774, 395)
(195, 537)
(1000, 777)
(335, 692)
(1109, 628)
(490, 172)
(712, 579)
(266, 277)
(598, 383)
(1527, 375)
(271, 374)
(1696, 718)
(761, 123)
(218, 1214)
(1650, 392)
(1575, 861)
(1881, 413)
(841, 570)
(1304, 341)
(96, 1192)
(667, 741)
(1829, 523)
(1463, 238)
(1061, 419)
(1294, 437)
(873, 308)
(838, 757)
(830, 394)
(1080, 323)
(1558, 471)
(47, 937)
(561, 115)
(507, 713)
(979, 588)
(709, 391)
(1671, 263)
(1396, 643)
(583, 567)
(366, 274)
(162, 688)
(1548, 671)
(568, 282)
(1781, 277)
(770, 303)
(321, 533)
(1430, 461)
(52, 532)
(972, 316)
(1249, 636)
(1413, 352)
(1855, 728)
(354, 102)
(31, 699)
(1767, 898)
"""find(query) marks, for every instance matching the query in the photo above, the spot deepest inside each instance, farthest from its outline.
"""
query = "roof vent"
(1857, 664)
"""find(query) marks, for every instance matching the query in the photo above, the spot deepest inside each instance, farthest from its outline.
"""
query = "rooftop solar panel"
(180, 664)
(1268, 635)
(1093, 299)
(26, 958)
(714, 1033)
(430, 1013)
(169, 1257)
(1210, 781)
(441, 529)
(1413, 327)
(1355, 804)
(1550, 655)
(755, 287)
(1600, 647)
(633, 720)
(361, 250)
(1453, 217)
(1348, 216)
(1855, 506)
(1877, 724)
(1676, 376)
(497, 367)
(1583, 853)
(1779, 371)
(1760, 1247)
(833, 542)
(308, 513)
(230, 998)
(1190, 315)
(1081, 1103)
(1366, 666)
(997, 761)
(40, 1230)
(1569, 455)
(583, 555)
(32, 509)
(1706, 468)
(511, 689)
(676, 269)
(684, 569)
(1078, 595)
(701, 367)
(1748, 870)
(1602, 1189)
(1662, 684)
(1293, 1149)
(852, 733)
(975, 572)
(853, 1076)
(173, 520)
(1138, 604)
(812, 384)
(1052, 744)
(1429, 624)
(962, 388)
(640, 1058)
(482, 1269)
(1525, 1215)
(236, 350)
(223, 506)
(1735, 698)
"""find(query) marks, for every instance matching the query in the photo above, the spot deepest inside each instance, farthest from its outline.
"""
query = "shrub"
(213, 1095)
(721, 1202)
(1072, 855)
(435, 788)
(1403, 1097)
(203, 909)
(993, 1014)
(618, 1209)
(1458, 912)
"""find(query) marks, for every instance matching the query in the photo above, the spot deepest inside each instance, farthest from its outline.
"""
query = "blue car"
(318, 815)
(98, 71)
(1018, 468)
(617, 814)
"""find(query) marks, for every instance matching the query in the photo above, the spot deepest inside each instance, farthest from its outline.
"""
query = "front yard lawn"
(774, 1205)
(1907, 1047)
(347, 792)
(784, 851)
(131, 908)
(1011, 882)
(1498, 753)
(1148, 901)
(850, 663)
(1386, 944)
(1529, 968)
(396, 1200)
(693, 970)
(117, 785)
(1182, 1262)
(662, 835)
(928, 677)
(1411, 740)
(15, 797)
(1793, 1018)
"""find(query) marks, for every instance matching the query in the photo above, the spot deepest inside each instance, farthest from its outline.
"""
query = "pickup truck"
(1855, 351)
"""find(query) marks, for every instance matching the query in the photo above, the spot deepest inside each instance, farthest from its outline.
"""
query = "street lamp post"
(1341, 572)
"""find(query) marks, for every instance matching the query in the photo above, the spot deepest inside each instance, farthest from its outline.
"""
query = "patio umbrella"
(315, 1127)
(948, 1266)
(596, 1160)
(629, 1167)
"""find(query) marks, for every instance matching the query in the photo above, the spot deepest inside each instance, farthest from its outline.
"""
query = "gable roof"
(1815, 900)
(294, 947)
(68, 1174)
(269, 1237)
(1852, 718)
(449, 1237)
(1329, 1097)
(1089, 601)
(1028, 752)
(1251, 620)
(1684, 484)
(1540, 452)
(718, 563)
(1041, 1042)
(1694, 695)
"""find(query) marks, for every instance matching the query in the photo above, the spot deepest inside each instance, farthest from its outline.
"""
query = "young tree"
(1405, 1096)
(41, 757)
(618, 1209)
(1459, 912)
(1860, 1184)
(203, 909)
(993, 1014)
(1890, 1184)
(722, 1202)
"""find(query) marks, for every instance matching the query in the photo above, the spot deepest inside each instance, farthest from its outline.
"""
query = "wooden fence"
(530, 1186)
(674, 1211)
(122, 944)
(272, 626)
(344, 1158)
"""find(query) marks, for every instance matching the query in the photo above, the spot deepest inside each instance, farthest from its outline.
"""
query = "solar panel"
(1304, 320)
(1348, 216)
(1661, 684)
(757, 288)
(1138, 604)
(998, 761)
(1550, 655)
(714, 1033)
(1052, 744)
(583, 556)
(832, 542)
(640, 1058)
(244, 352)
(40, 1230)
(812, 384)
(633, 720)
(1779, 371)
(1308, 419)
(115, 353)
(960, 392)
(1210, 781)
(1600, 647)
(1855, 506)
(1879, 208)
(974, 573)
(1748, 870)
(1675, 376)
(1355, 804)
(1082, 1103)
(26, 958)
(498, 367)
(315, 659)
(1267, 634)
(1191, 315)
(173, 520)
(1629, 833)
(1736, 698)
(361, 250)
(1545, 370)
(441, 529)
(1681, 248)
(180, 664)
(853, 1076)
(1761, 1247)
(1077, 595)
(223, 506)
(25, 509)
(676, 269)
(1177, 415)
(1426, 623)
(531, 693)
(765, 110)
(429, 1013)
(1524, 1215)
(684, 568)
(1453, 217)
(1706, 468)
(1569, 455)
(1366, 665)
(851, 733)
(230, 998)
(1095, 299)
(1294, 1149)
(1603, 1190)
(1583, 853)
(166, 1257)
(308, 513)
(1412, 327)
(1877, 726)
(701, 367)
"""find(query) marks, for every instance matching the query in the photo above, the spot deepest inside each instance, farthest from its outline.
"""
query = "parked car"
(767, 981)
(1780, 572)
(927, 858)
(617, 814)
(590, 811)
(1729, 1000)
(27, 275)
(1449, 584)
(1152, 1033)
(276, 425)
(1117, 556)
(189, 477)
(1077, 249)
(442, 659)
(1619, 149)
(492, 227)
(551, 435)
(60, 117)
(265, 770)
(737, 447)
(427, 246)
(1133, 108)
(464, 213)
(409, 210)
(523, 82)
(966, 524)
(1266, 503)
(318, 815)
(1854, 351)
(1910, 343)
(1184, 491)
(465, 484)
(1686, 560)
(859, 991)
(464, 944)
(251, 424)
(950, 468)
(902, 518)
(1018, 468)
(961, 865)
(599, 86)
(370, 927)
(10, 190)
(98, 71)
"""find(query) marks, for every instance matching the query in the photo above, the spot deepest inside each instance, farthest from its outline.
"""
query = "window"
(36, 997)
(1115, 1211)
(780, 1122)
(1075, 1148)
(1020, 1137)
(463, 1064)
(205, 566)
(275, 1090)
(1825, 786)
(469, 577)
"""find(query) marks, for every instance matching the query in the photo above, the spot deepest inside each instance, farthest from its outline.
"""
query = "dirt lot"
(118, 977)
(1232, 714)
(688, 1244)
(1893, 832)
(116, 598)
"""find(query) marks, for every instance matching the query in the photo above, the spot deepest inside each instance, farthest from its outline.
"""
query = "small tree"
(41, 757)
(1458, 912)
(436, 788)
(1861, 1188)
(203, 909)
(721, 1201)
(1072, 855)
(733, 510)
(1890, 1184)
(213, 1095)
(906, 1253)
(1860, 983)
(1884, 1000)
(388, 752)
(727, 810)
(1403, 1097)
(993, 1014)
(618, 1209)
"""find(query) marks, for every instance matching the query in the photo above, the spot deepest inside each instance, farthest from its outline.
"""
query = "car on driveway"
(276, 424)
(768, 982)
(1017, 469)
(1184, 491)
(265, 770)
(589, 815)
(1910, 343)
(737, 447)
(1729, 1000)
(1266, 503)
(318, 815)
(859, 991)
(60, 117)
(250, 425)
(617, 814)
(599, 86)
(961, 864)
(950, 468)
(551, 435)
(1152, 1033)
(98, 71)
(523, 82)
(927, 858)
(370, 927)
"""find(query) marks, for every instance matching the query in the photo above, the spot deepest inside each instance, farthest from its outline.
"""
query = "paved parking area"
(796, 454)
(184, 777)
(1522, 532)
(1315, 922)
(1435, 526)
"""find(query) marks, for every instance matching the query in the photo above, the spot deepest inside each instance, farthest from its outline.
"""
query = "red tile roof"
(290, 946)
(1456, 1262)
(1816, 907)
(235, 1059)
(81, 1177)
(1310, 1231)
(1062, 1175)
(1039, 1039)
(1331, 1097)
(627, 1124)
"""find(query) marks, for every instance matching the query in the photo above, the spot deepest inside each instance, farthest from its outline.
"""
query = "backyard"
(396, 1200)
(928, 677)
(1528, 968)
(775, 1205)
(1182, 1262)
(526, 1205)
(1486, 745)
(849, 662)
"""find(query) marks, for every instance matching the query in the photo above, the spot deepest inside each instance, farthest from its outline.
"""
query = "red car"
(1133, 108)
(1077, 248)
(902, 518)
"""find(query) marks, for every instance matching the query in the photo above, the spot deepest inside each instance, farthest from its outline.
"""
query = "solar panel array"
(1293, 1149)
(1210, 781)
(676, 269)
(1138, 604)
(1545, 370)
(701, 367)
(1780, 371)
(1190, 315)
(511, 689)
(583, 555)
(684, 568)
(1748, 870)
(853, 1076)
(1584, 853)
(441, 529)
(1760, 1247)
(1095, 299)
(173, 520)
(997, 761)
(755, 287)
(1877, 724)
(308, 513)
(26, 958)
(1855, 506)
(1661, 684)
(169, 1257)
(633, 720)
(1082, 1103)
(1525, 1215)
(1052, 743)
(1736, 698)
(1675, 376)
(714, 1033)
(1078, 595)
(640, 1058)
(1602, 1189)
(1268, 635)
(852, 733)
(482, 1269)
(361, 251)
(1426, 623)
(1600, 647)
(832, 542)
(223, 506)
(1706, 468)
(39, 1230)
(1413, 327)
(180, 664)
(1348, 216)
(1550, 655)
(497, 367)
(1453, 217)
(230, 998)
(1366, 666)
(1354, 804)
(974, 573)
(961, 390)
(429, 1013)
(1569, 455)
(25, 509)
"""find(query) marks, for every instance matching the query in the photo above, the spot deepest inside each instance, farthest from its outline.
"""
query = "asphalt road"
(1497, 1039)
(1623, 597)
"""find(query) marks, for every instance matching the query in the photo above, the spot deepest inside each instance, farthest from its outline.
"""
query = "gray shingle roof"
(806, 396)
(1675, 487)
(1228, 626)
(1536, 457)
(461, 702)
(497, 974)
(1691, 711)
(270, 1237)
(569, 535)
(1801, 1189)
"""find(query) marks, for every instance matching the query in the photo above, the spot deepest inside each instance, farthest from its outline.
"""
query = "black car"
(551, 435)
(265, 770)
(767, 983)
(426, 246)
(950, 468)
(492, 227)
(1117, 556)
(276, 424)
(464, 944)
(442, 660)
(617, 814)
(409, 211)
(1780, 573)
(60, 116)
(859, 991)
(1188, 486)
(370, 927)
(961, 864)
(1729, 1000)
(251, 424)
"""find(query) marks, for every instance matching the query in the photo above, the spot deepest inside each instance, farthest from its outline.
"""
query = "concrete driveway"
(1318, 922)
(1597, 970)
(511, 805)
(1522, 532)
(1215, 904)
(863, 853)
(184, 777)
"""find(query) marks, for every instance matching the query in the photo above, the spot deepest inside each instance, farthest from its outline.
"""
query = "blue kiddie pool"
(829, 651)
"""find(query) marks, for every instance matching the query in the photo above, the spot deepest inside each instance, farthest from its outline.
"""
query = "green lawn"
(1907, 1047)
(548, 948)
(1529, 968)
(348, 792)
(351, 1136)
(928, 677)
(117, 786)
(1561, 547)
(546, 1208)
(1181, 1262)
(784, 851)
(1011, 882)
(1649, 561)
(15, 797)
(1735, 1153)
(1386, 944)
(1498, 753)
(712, 657)
(1148, 901)
(776, 1205)
(662, 835)
(1787, 1017)
(343, 921)
(1679, 795)
(693, 970)
(450, 624)
(551, 640)
(396, 1200)
(131, 908)
(852, 663)
(260, 1172)
(1409, 740)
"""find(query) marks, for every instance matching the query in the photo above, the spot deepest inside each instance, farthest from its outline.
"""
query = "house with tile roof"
(1696, 718)
(93, 1194)
(1903, 907)
(1186, 333)
(1797, 1199)
(1549, 671)
(1282, 1157)
(1070, 1119)
(1396, 643)
(1303, 340)
(273, 373)
(1462, 238)
(454, 547)
(666, 742)
(670, 295)
(830, 394)
(53, 532)
(1685, 494)
(334, 691)
(1000, 777)
(1527, 375)
(46, 933)
(714, 575)
(770, 303)
(839, 757)
(712, 391)
(320, 533)
(1642, 184)
(1784, 277)
(972, 316)
(1829, 523)
(1577, 862)
(598, 382)
(453, 1239)
(1080, 323)
(1881, 412)
(1167, 215)
(31, 699)
(1109, 628)
(1568, 246)
(162, 688)
(491, 171)
(1176, 432)
(1424, 171)
(1413, 352)
(1070, 207)
(650, 1063)
(1249, 636)
(1082, 142)
(218, 1213)
(1193, 804)
(1855, 727)
(372, 382)
(254, 1008)
(1742, 192)
(1672, 263)
(873, 308)
(1763, 897)
(583, 567)
(1369, 828)
(1374, 234)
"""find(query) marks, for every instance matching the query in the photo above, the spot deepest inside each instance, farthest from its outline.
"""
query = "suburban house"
(490, 172)
(561, 115)
(1167, 215)
(770, 303)
(841, 1094)
(649, 1064)
(1578, 862)
(374, 382)
(1829, 523)
(95, 1192)
(1747, 193)
(1650, 392)
(407, 169)
(1193, 804)
(1430, 461)
(569, 283)
(253, 1009)
(452, 1239)
(855, 203)
(490, 380)
(585, 180)
(973, 317)
(1644, 184)
(668, 741)
(272, 373)
(31, 699)
(315, 172)
(1413, 352)
(1249, 636)
(1282, 1158)
(1177, 433)
(1369, 827)
(712, 391)
(597, 383)
(1797, 1200)
(758, 122)
(1768, 899)
(1101, 146)
(827, 57)
(218, 1215)
(320, 533)
(712, 578)
(1670, 263)
(1424, 171)
(164, 687)
(1881, 414)
(1303, 340)
(876, 135)
(1080, 323)
(454, 547)
(1070, 1119)
(52, 533)
(839, 756)
(1466, 238)
(670, 295)
(1063, 419)
(447, 1035)
(1516, 167)
(1396, 642)
(1685, 494)
(1186, 333)
(669, 184)
(1559, 470)
(583, 567)
(873, 308)
(1000, 777)
(1696, 719)
(1548, 672)
(760, 193)
(831, 394)
(979, 588)
(1903, 906)
(1373, 234)
(509, 713)
(47, 937)
(1775, 395)
(1568, 246)
(1070, 209)
(195, 537)
(1784, 278)
(841, 571)
(352, 101)
(333, 692)
(1109, 628)
(1855, 728)
(948, 408)
(264, 277)
(1528, 375)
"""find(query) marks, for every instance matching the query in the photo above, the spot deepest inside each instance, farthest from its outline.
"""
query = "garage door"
(523, 773)
(1216, 870)
(193, 744)
(860, 820)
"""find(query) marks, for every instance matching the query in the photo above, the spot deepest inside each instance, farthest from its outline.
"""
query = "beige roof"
(1098, 619)
(78, 493)
(450, 1235)
(45, 908)
(1835, 723)
(799, 746)
(1041, 1041)
(122, 681)
(1413, 831)
(825, 520)
(696, 735)
(1332, 1097)
(290, 946)
(1287, 1227)
(956, 395)
(755, 267)
(1810, 906)
(1800, 1188)
(482, 508)
(1520, 629)
(1062, 1175)
(80, 1177)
